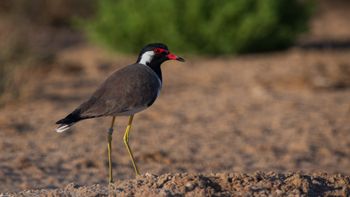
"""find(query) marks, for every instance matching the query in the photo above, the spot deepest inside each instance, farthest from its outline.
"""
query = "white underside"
(160, 83)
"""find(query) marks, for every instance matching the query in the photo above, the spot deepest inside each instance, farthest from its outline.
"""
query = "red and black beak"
(171, 56)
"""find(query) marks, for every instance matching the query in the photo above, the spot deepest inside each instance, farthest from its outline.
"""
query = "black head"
(155, 54)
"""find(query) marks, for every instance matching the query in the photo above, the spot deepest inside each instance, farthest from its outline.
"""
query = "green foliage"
(200, 26)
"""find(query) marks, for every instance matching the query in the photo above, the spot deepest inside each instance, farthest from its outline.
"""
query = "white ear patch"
(146, 58)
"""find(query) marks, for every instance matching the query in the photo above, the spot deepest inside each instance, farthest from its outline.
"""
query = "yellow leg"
(109, 138)
(126, 142)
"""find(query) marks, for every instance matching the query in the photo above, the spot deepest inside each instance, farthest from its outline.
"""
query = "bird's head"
(155, 54)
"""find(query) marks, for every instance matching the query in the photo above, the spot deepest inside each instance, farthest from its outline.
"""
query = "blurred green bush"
(200, 26)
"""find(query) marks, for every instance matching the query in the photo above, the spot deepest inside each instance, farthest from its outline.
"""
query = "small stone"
(162, 180)
(71, 186)
(149, 175)
(189, 186)
(279, 192)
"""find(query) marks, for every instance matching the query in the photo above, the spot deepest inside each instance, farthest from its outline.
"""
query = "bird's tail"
(68, 121)
(63, 127)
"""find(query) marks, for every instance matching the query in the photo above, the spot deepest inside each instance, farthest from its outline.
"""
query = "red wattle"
(171, 56)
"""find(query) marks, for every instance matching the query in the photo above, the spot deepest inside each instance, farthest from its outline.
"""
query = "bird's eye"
(157, 51)
(160, 50)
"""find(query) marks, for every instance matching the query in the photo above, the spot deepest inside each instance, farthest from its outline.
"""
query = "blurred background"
(266, 86)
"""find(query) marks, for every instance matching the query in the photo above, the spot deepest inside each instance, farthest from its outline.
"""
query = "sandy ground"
(271, 124)
(223, 184)
(280, 112)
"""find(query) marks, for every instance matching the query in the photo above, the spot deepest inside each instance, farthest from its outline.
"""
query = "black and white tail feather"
(68, 121)
(63, 127)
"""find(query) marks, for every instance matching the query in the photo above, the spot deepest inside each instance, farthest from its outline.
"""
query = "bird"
(125, 92)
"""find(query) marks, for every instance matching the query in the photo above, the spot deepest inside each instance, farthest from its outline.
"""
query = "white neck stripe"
(146, 57)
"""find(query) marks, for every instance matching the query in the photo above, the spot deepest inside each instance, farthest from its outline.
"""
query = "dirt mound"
(221, 184)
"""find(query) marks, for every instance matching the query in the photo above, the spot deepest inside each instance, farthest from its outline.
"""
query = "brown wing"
(135, 86)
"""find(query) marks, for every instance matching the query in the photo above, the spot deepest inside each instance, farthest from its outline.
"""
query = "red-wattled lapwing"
(124, 93)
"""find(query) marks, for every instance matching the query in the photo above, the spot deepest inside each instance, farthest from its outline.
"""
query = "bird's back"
(133, 87)
(125, 92)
